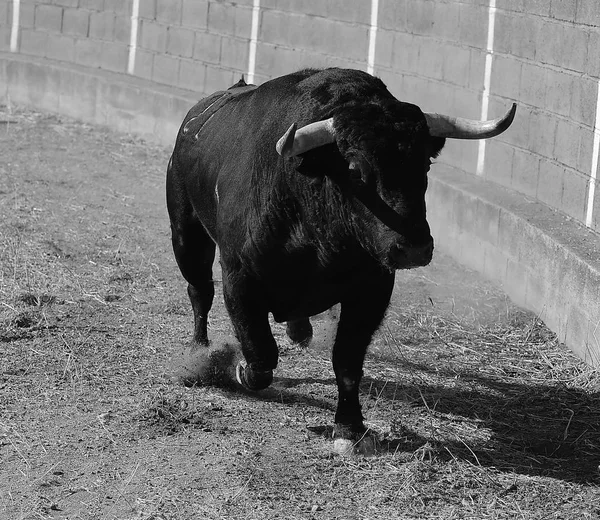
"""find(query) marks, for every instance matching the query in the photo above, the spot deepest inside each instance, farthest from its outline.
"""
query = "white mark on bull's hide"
(253, 40)
(372, 36)
(135, 11)
(594, 171)
(487, 78)
(217, 191)
(14, 33)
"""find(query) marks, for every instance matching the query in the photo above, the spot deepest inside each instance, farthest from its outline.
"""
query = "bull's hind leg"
(195, 253)
(360, 317)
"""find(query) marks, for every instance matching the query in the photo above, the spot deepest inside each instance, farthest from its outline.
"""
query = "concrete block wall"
(200, 45)
(94, 33)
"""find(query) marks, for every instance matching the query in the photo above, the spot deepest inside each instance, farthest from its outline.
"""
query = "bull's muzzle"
(402, 256)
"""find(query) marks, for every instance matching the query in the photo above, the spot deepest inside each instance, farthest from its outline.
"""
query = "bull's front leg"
(250, 320)
(360, 317)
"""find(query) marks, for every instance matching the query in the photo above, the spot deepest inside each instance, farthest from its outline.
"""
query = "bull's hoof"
(347, 443)
(253, 380)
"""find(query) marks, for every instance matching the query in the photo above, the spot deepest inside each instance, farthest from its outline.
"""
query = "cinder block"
(97, 5)
(144, 63)
(433, 55)
(66, 3)
(593, 62)
(588, 12)
(88, 52)
(169, 11)
(477, 69)
(506, 76)
(558, 91)
(221, 18)
(59, 47)
(272, 28)
(4, 40)
(26, 16)
(153, 36)
(180, 42)
(473, 25)
(207, 47)
(342, 10)
(393, 81)
(446, 20)
(532, 89)
(456, 64)
(384, 49)
(148, 10)
(542, 133)
(243, 22)
(575, 187)
(562, 10)
(526, 36)
(33, 42)
(525, 172)
(122, 29)
(405, 57)
(114, 56)
(392, 15)
(76, 22)
(586, 146)
(218, 79)
(5, 13)
(78, 95)
(102, 26)
(192, 76)
(166, 69)
(120, 7)
(511, 5)
(48, 18)
(550, 183)
(566, 146)
(420, 17)
(498, 162)
(541, 7)
(583, 101)
(195, 13)
(234, 53)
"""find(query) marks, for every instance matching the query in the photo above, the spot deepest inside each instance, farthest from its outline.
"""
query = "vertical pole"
(487, 79)
(594, 171)
(253, 41)
(372, 36)
(14, 33)
(135, 17)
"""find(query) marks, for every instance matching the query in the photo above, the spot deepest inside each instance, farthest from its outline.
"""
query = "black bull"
(308, 218)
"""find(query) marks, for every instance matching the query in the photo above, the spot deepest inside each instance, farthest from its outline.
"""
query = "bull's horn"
(460, 128)
(295, 142)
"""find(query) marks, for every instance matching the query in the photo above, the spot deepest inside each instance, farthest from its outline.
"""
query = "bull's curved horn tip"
(286, 141)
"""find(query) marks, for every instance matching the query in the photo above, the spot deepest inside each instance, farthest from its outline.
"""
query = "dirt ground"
(480, 412)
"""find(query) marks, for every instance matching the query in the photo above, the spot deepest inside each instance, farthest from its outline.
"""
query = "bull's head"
(387, 165)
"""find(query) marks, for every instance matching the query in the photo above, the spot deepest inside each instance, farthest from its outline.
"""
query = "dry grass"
(484, 419)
